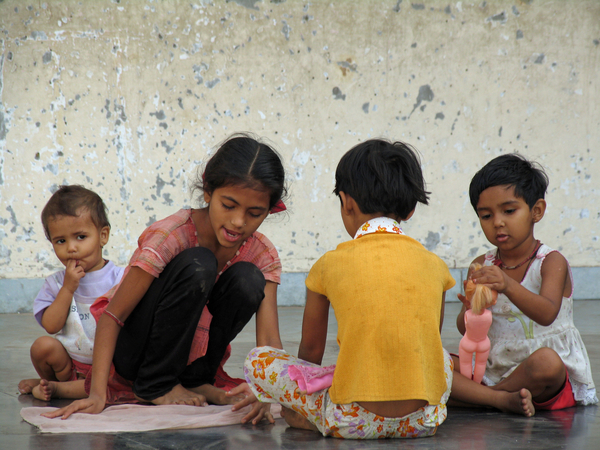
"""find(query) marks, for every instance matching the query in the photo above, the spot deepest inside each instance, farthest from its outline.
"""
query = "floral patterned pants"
(266, 371)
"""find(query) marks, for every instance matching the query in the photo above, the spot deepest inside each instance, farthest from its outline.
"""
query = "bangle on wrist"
(113, 317)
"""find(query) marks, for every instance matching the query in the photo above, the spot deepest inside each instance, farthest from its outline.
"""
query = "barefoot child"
(392, 377)
(194, 282)
(76, 224)
(534, 344)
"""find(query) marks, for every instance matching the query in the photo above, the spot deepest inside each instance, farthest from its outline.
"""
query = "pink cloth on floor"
(311, 379)
(136, 418)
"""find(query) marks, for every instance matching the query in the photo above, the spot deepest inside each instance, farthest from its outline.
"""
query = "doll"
(477, 323)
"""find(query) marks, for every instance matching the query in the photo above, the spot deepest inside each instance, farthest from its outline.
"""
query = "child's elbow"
(52, 329)
(547, 319)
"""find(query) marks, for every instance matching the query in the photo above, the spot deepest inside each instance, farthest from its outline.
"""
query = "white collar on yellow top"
(379, 225)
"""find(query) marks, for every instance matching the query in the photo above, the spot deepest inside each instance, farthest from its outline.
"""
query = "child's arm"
(130, 292)
(267, 333)
(55, 315)
(314, 328)
(267, 319)
(542, 308)
(443, 311)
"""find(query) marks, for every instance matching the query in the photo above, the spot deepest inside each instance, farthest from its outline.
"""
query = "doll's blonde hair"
(480, 296)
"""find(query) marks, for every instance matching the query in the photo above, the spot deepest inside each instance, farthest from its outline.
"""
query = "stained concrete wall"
(130, 97)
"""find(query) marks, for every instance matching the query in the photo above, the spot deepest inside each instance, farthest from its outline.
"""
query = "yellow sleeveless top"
(386, 291)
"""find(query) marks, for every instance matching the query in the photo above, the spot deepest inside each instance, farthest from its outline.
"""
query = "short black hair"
(514, 170)
(243, 160)
(382, 177)
(72, 201)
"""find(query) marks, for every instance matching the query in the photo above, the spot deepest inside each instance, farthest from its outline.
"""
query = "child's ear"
(410, 214)
(346, 202)
(207, 196)
(538, 210)
(104, 234)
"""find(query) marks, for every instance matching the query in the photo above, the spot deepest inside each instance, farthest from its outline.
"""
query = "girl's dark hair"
(528, 178)
(382, 177)
(243, 160)
(69, 201)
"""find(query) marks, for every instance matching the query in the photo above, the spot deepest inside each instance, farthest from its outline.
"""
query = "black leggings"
(154, 345)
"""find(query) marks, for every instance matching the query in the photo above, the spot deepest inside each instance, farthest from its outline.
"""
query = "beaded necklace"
(498, 261)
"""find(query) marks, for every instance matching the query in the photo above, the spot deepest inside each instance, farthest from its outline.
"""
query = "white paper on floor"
(135, 418)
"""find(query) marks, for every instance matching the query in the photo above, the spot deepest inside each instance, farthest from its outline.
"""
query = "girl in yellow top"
(392, 377)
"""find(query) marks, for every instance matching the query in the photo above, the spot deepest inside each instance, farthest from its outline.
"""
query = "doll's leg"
(466, 360)
(543, 373)
(480, 363)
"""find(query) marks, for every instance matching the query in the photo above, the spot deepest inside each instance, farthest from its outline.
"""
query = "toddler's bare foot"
(295, 420)
(45, 390)
(517, 402)
(26, 386)
(178, 396)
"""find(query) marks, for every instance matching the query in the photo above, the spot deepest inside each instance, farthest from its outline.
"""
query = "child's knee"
(45, 347)
(546, 364)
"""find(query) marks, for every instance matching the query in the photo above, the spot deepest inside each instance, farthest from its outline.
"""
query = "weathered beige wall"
(128, 97)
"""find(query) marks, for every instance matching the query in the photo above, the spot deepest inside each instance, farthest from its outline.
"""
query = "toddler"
(75, 222)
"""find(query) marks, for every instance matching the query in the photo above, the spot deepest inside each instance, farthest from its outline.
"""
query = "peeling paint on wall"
(130, 99)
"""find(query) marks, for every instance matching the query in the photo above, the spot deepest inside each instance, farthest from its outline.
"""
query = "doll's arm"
(314, 328)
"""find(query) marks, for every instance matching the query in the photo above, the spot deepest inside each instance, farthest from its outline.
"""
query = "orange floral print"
(319, 402)
(352, 413)
(259, 368)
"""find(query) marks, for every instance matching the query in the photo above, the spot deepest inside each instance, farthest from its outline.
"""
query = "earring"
(244, 223)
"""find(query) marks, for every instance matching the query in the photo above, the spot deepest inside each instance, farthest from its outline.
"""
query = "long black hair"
(244, 161)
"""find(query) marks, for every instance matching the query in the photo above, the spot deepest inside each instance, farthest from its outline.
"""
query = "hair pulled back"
(244, 161)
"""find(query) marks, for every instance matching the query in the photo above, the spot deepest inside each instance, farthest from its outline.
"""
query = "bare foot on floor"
(518, 403)
(45, 390)
(178, 396)
(26, 386)
(217, 396)
(295, 420)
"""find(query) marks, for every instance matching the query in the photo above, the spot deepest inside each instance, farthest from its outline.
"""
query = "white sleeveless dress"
(514, 336)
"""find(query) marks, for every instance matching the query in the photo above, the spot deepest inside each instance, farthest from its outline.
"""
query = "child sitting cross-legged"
(392, 377)
(534, 343)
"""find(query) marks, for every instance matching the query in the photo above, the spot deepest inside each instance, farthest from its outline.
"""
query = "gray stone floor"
(575, 428)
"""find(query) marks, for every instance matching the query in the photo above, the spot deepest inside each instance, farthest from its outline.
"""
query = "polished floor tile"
(575, 428)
